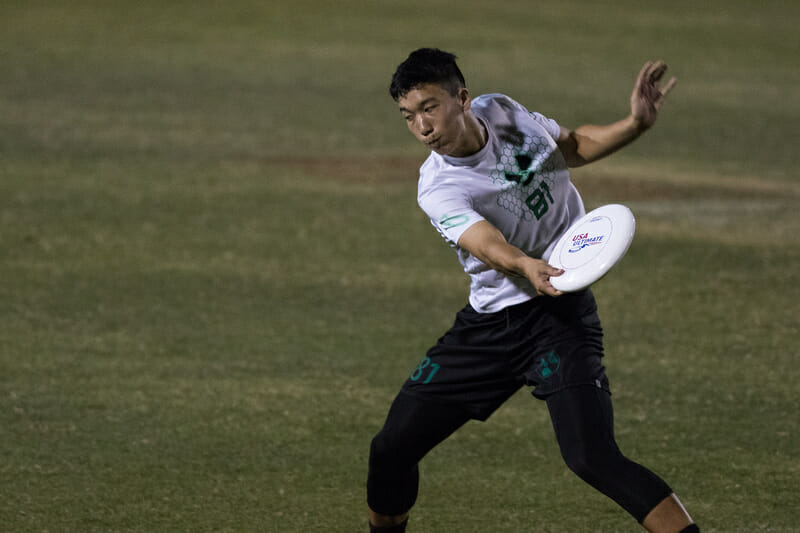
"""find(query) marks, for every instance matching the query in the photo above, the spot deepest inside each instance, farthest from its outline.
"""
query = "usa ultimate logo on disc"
(587, 241)
(592, 246)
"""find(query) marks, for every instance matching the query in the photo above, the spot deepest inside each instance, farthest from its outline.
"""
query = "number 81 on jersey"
(537, 201)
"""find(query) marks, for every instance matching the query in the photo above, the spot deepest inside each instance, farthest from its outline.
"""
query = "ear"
(464, 99)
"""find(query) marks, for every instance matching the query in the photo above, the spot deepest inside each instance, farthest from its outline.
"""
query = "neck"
(474, 138)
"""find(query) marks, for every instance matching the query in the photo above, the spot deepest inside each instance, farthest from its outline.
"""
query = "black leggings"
(583, 422)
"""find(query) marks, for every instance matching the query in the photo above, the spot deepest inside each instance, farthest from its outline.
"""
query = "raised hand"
(647, 96)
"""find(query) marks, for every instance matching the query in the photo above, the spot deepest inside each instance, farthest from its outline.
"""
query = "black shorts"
(484, 358)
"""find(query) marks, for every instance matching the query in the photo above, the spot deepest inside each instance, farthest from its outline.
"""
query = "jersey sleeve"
(450, 211)
(551, 126)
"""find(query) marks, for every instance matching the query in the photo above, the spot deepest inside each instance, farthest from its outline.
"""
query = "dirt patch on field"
(594, 187)
(633, 190)
(354, 170)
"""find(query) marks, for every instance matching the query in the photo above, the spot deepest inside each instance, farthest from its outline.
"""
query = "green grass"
(214, 275)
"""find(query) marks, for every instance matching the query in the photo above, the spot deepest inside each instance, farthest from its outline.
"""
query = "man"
(496, 186)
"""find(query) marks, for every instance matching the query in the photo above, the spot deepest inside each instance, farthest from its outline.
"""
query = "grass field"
(214, 276)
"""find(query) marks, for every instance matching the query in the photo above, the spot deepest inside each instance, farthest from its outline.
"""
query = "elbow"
(503, 258)
(576, 161)
(570, 146)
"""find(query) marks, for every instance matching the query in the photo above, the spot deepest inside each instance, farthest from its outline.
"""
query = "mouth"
(432, 142)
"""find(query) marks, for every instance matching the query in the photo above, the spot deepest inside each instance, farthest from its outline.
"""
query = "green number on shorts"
(424, 364)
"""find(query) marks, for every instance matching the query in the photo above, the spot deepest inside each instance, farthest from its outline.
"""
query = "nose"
(424, 126)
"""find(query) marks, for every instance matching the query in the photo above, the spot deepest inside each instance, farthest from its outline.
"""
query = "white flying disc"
(592, 246)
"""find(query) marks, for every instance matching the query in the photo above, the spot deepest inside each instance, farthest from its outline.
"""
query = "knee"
(386, 453)
(591, 463)
(379, 450)
(578, 462)
(393, 478)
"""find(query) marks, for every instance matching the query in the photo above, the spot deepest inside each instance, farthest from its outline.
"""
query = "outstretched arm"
(589, 143)
(488, 244)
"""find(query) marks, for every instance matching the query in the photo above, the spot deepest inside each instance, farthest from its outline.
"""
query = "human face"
(438, 119)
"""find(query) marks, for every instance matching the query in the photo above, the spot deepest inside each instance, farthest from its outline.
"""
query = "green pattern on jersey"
(526, 172)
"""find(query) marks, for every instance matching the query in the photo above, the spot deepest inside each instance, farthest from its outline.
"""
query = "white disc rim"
(616, 224)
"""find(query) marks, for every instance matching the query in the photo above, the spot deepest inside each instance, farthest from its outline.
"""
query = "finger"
(649, 90)
(650, 67)
(643, 73)
(556, 293)
(548, 290)
(543, 285)
(668, 87)
(658, 71)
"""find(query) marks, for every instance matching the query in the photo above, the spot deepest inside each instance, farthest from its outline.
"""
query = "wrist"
(637, 125)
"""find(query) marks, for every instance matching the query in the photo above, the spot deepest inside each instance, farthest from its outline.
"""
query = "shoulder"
(428, 172)
(497, 102)
(432, 164)
(499, 108)
(441, 186)
(552, 127)
(437, 178)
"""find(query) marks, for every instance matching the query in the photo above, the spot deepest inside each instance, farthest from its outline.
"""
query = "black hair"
(427, 65)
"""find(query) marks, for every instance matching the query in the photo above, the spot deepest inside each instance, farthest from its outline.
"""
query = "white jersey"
(518, 182)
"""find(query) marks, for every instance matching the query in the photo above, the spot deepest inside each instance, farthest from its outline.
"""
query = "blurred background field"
(214, 276)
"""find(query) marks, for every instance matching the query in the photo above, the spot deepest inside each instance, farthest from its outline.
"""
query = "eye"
(430, 108)
(407, 118)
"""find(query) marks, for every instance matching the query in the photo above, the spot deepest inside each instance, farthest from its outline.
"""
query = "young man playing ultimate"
(496, 185)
